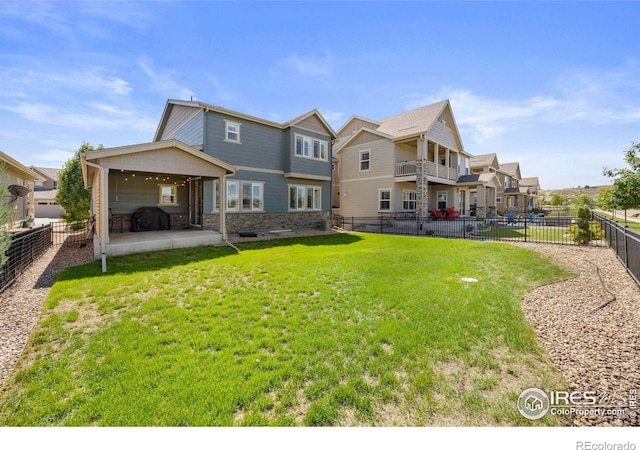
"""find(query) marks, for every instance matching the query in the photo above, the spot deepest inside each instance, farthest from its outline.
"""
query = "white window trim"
(310, 141)
(390, 190)
(304, 189)
(238, 208)
(226, 131)
(415, 199)
(175, 195)
(360, 161)
(241, 194)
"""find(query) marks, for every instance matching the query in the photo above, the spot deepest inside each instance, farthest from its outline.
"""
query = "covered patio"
(166, 177)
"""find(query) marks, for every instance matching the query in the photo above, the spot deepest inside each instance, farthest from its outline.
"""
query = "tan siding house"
(415, 161)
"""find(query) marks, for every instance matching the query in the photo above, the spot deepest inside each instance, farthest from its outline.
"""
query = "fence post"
(526, 219)
(381, 224)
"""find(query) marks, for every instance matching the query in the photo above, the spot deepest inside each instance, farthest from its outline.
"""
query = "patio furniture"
(438, 215)
(451, 214)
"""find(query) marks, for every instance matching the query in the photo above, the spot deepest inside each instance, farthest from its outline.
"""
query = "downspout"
(103, 218)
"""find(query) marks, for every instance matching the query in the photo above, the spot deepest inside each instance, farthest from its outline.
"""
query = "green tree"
(583, 200)
(626, 181)
(557, 200)
(607, 199)
(72, 195)
(5, 218)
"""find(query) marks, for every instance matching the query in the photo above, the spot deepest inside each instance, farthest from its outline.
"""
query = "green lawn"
(346, 329)
(633, 225)
(535, 233)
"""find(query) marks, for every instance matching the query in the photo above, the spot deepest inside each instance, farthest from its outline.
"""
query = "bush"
(585, 230)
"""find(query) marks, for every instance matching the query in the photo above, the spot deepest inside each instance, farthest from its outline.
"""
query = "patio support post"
(223, 206)
(422, 180)
(104, 215)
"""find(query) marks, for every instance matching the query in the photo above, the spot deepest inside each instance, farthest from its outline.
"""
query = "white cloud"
(164, 82)
(306, 65)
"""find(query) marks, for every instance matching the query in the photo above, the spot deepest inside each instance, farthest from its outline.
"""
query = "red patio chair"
(451, 214)
(438, 215)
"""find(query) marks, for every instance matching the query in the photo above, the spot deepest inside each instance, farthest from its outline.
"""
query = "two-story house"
(484, 184)
(512, 198)
(405, 165)
(532, 184)
(212, 169)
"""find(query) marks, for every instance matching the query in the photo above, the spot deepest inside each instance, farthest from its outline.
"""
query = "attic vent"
(443, 118)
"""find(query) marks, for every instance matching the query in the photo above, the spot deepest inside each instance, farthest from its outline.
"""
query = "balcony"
(408, 169)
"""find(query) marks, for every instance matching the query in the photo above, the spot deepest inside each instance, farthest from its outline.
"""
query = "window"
(443, 118)
(168, 195)
(442, 201)
(232, 195)
(384, 199)
(365, 160)
(311, 148)
(305, 198)
(232, 132)
(409, 200)
(252, 196)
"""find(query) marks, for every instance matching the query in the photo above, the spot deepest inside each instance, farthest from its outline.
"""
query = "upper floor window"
(232, 131)
(365, 160)
(311, 148)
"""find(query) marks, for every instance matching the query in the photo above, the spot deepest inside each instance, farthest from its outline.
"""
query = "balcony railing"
(408, 168)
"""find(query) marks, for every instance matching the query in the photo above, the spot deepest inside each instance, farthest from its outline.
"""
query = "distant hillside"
(571, 193)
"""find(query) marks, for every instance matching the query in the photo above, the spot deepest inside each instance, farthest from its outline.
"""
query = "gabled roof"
(530, 181)
(489, 159)
(375, 124)
(410, 124)
(512, 169)
(19, 167)
(413, 122)
(207, 107)
(343, 142)
(106, 154)
(47, 172)
(486, 179)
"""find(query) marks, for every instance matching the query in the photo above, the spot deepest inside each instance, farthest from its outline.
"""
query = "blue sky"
(553, 85)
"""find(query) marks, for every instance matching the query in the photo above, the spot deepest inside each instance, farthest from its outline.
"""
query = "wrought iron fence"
(529, 228)
(29, 245)
(623, 241)
(72, 233)
(26, 247)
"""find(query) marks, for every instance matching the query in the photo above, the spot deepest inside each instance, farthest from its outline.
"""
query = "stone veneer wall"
(263, 222)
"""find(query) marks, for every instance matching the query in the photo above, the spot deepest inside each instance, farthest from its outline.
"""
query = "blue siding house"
(283, 170)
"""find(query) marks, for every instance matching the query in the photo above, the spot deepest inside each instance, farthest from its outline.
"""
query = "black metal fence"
(625, 242)
(530, 228)
(29, 245)
(72, 233)
(25, 248)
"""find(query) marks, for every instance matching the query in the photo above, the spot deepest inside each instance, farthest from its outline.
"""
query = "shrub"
(585, 230)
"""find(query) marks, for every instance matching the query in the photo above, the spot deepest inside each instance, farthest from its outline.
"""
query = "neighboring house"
(20, 184)
(513, 198)
(46, 205)
(533, 186)
(484, 184)
(214, 171)
(404, 165)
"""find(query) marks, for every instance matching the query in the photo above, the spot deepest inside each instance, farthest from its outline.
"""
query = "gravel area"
(593, 340)
(21, 303)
